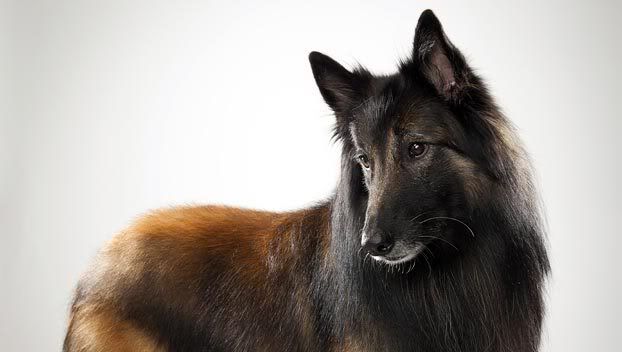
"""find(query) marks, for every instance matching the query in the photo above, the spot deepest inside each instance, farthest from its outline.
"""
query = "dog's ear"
(340, 88)
(437, 59)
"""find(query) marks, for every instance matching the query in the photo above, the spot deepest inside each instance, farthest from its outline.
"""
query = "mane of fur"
(487, 298)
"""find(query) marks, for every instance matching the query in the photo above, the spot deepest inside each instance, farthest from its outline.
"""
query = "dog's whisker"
(427, 261)
(421, 214)
(440, 239)
(450, 218)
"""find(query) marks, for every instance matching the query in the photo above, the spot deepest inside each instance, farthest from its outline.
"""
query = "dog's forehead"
(384, 120)
(373, 113)
(381, 116)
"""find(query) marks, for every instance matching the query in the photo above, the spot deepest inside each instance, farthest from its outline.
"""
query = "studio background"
(112, 108)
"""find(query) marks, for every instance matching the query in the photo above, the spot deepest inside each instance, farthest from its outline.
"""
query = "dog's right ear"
(340, 88)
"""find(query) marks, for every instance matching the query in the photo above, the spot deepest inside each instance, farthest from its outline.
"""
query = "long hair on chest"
(439, 178)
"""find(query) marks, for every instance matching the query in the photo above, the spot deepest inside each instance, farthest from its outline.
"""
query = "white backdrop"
(111, 108)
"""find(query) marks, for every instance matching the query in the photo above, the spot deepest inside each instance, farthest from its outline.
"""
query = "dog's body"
(432, 243)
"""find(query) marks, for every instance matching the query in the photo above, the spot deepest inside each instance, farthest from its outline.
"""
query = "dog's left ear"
(437, 59)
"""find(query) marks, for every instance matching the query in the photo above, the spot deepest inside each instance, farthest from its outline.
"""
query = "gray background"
(111, 108)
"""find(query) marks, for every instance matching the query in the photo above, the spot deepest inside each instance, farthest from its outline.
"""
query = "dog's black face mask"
(410, 144)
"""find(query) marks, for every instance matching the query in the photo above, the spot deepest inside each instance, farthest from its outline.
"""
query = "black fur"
(477, 286)
(483, 295)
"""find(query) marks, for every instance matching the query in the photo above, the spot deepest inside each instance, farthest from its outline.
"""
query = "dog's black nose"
(377, 244)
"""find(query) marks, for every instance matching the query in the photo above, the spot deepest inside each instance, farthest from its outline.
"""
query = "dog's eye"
(416, 150)
(363, 160)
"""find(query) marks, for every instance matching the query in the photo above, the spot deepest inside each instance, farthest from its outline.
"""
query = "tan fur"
(174, 245)
(476, 183)
(103, 331)
(352, 345)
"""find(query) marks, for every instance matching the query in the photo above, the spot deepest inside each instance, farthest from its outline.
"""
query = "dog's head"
(425, 149)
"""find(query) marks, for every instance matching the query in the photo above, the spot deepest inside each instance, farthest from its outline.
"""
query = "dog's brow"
(410, 130)
(354, 136)
(410, 133)
(372, 109)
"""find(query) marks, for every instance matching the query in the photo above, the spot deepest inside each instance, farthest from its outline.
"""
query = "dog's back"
(192, 277)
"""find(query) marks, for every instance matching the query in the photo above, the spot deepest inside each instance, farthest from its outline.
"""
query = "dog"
(432, 241)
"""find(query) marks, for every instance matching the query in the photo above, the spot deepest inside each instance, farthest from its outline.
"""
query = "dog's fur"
(224, 279)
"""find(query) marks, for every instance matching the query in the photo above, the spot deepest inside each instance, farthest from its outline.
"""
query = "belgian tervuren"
(431, 242)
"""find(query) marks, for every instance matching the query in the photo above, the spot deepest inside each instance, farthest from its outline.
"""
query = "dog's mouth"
(400, 254)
